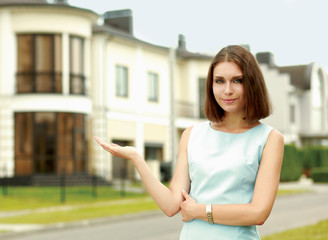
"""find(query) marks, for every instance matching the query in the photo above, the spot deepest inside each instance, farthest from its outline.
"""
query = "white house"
(300, 98)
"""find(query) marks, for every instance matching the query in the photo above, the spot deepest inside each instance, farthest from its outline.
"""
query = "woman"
(228, 168)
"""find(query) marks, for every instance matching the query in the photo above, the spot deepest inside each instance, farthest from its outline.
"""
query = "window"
(202, 83)
(71, 142)
(153, 151)
(50, 143)
(292, 113)
(317, 101)
(39, 63)
(23, 144)
(153, 87)
(122, 168)
(121, 81)
(77, 78)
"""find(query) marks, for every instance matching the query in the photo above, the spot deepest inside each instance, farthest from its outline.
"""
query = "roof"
(183, 53)
(114, 31)
(300, 75)
(22, 2)
(41, 3)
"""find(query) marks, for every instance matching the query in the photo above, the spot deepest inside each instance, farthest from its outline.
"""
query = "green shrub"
(324, 157)
(292, 165)
(305, 156)
(314, 157)
(319, 174)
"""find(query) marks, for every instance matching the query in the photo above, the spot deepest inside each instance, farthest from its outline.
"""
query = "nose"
(228, 89)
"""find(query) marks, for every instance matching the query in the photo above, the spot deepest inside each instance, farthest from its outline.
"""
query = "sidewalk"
(11, 229)
(304, 184)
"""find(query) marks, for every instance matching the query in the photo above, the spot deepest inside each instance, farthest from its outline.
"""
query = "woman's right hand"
(126, 152)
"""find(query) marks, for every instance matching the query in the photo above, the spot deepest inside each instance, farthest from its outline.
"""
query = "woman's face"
(228, 88)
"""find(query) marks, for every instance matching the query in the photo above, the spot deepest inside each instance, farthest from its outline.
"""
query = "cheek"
(216, 90)
(241, 91)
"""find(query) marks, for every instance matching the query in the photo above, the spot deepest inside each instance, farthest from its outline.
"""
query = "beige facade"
(137, 111)
(38, 101)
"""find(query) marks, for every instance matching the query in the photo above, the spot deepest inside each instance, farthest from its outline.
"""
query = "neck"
(234, 122)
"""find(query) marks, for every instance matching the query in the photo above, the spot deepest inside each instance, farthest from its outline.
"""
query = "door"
(45, 143)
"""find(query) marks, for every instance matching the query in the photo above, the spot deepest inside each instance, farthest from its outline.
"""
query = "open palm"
(126, 152)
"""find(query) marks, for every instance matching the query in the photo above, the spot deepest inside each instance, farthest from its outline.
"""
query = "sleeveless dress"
(223, 169)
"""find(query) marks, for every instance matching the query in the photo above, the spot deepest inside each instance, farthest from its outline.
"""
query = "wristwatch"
(209, 213)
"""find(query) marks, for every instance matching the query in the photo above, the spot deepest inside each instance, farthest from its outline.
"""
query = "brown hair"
(257, 102)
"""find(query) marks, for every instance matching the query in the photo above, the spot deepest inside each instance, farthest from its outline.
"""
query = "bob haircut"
(257, 102)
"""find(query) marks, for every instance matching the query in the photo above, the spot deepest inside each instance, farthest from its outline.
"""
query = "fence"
(62, 188)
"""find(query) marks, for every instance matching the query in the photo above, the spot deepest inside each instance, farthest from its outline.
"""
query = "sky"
(295, 31)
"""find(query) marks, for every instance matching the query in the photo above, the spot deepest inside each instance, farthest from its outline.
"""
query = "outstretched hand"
(187, 207)
(126, 152)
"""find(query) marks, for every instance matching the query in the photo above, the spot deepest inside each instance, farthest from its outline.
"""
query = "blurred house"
(131, 93)
(45, 71)
(64, 78)
(144, 95)
(68, 74)
(300, 97)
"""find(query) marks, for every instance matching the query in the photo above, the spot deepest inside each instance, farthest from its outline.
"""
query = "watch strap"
(209, 213)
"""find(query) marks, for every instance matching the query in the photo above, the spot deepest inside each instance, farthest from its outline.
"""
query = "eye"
(238, 80)
(218, 80)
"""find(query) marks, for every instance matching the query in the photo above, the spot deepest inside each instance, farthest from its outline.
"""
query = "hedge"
(319, 174)
(312, 161)
(314, 157)
(292, 167)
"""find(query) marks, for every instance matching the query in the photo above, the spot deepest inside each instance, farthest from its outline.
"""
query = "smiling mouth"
(229, 100)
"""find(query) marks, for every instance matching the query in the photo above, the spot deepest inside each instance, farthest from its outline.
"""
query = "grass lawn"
(80, 203)
(19, 198)
(318, 231)
(283, 192)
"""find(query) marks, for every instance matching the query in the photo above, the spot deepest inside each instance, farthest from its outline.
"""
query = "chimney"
(182, 42)
(120, 19)
(246, 46)
(266, 58)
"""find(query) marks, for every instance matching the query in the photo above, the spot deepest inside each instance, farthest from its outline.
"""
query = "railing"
(56, 188)
(49, 82)
(39, 82)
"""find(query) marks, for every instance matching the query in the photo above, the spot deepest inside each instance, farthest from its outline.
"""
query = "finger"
(185, 194)
(114, 145)
(101, 142)
(107, 147)
(98, 140)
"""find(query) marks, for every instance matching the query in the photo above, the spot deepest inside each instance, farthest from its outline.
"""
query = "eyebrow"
(235, 77)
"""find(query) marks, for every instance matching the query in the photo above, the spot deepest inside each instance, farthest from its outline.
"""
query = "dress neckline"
(210, 126)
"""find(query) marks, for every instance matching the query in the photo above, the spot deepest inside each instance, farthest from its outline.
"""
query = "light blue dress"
(223, 169)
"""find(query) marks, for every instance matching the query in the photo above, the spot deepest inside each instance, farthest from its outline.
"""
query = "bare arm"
(258, 210)
(168, 199)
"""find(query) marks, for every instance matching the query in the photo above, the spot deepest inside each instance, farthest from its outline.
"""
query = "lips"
(229, 100)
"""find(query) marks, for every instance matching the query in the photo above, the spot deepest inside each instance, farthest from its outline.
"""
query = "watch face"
(208, 208)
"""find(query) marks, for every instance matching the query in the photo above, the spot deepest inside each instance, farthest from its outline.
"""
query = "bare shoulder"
(185, 135)
(187, 131)
(275, 143)
(276, 137)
